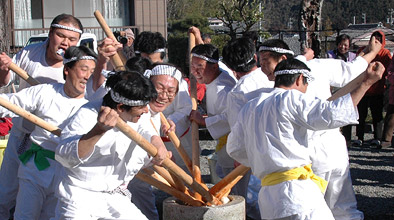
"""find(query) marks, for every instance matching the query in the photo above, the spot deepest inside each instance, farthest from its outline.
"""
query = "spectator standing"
(342, 52)
(374, 97)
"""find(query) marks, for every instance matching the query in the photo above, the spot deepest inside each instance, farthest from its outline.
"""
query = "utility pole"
(260, 30)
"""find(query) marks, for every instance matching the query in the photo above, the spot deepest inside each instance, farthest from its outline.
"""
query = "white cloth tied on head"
(67, 28)
(123, 100)
(160, 50)
(205, 58)
(165, 70)
(244, 64)
(78, 58)
(275, 49)
(304, 72)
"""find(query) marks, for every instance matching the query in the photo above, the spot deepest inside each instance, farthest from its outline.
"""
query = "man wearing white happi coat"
(206, 71)
(271, 137)
(42, 62)
(54, 103)
(152, 45)
(327, 161)
(240, 56)
(99, 159)
(165, 79)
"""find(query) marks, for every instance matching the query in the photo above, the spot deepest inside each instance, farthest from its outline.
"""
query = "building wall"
(145, 15)
(151, 15)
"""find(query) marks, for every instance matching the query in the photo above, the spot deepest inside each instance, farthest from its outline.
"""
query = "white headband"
(164, 70)
(205, 58)
(304, 72)
(120, 99)
(244, 64)
(156, 51)
(276, 49)
(160, 50)
(78, 58)
(66, 27)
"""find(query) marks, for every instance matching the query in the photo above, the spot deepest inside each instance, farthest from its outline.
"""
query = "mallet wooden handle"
(28, 116)
(348, 87)
(23, 74)
(167, 163)
(118, 60)
(168, 189)
(222, 188)
(172, 180)
(195, 137)
(177, 144)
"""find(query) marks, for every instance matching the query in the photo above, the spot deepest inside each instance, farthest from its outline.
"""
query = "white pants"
(340, 196)
(9, 174)
(143, 198)
(89, 205)
(35, 202)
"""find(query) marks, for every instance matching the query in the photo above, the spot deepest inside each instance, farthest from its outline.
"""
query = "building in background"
(31, 17)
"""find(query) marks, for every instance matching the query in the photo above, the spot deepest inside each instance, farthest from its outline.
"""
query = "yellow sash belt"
(221, 142)
(299, 173)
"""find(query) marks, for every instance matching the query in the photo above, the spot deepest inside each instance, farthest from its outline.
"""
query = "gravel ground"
(372, 173)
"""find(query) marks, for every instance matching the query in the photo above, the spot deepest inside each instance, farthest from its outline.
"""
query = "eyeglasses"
(170, 94)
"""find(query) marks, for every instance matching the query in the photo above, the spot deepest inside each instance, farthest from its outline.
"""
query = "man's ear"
(118, 107)
(66, 70)
(283, 57)
(300, 80)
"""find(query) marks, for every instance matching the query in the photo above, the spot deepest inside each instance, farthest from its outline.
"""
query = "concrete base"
(234, 210)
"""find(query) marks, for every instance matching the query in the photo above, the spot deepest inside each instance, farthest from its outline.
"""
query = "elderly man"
(206, 70)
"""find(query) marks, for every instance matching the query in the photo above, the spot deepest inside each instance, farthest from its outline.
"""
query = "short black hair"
(205, 36)
(148, 42)
(78, 52)
(289, 79)
(238, 55)
(69, 19)
(253, 35)
(342, 37)
(131, 85)
(276, 43)
(207, 50)
(138, 64)
(378, 36)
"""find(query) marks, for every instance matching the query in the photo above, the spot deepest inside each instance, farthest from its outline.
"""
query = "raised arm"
(374, 73)
(106, 120)
(106, 49)
(5, 75)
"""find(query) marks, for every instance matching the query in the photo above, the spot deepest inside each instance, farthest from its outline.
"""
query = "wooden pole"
(118, 60)
(195, 137)
(164, 187)
(23, 74)
(28, 116)
(171, 179)
(167, 163)
(223, 187)
(177, 144)
(156, 175)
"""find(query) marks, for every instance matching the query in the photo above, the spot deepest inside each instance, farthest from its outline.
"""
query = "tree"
(239, 16)
(310, 24)
(4, 27)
